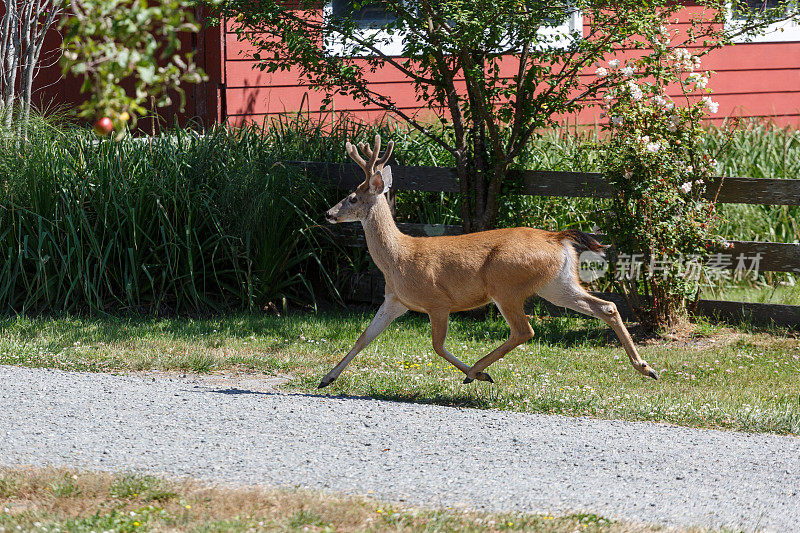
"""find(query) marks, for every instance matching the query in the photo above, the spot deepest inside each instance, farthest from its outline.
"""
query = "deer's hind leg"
(608, 313)
(513, 310)
(565, 290)
(439, 319)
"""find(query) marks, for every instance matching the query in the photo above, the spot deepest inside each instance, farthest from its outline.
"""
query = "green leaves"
(109, 41)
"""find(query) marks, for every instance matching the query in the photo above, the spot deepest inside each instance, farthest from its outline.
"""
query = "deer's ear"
(386, 174)
(378, 183)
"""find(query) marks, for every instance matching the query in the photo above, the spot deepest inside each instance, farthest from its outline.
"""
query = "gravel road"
(241, 432)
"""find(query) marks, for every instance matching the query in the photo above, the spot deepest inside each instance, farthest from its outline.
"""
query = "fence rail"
(734, 190)
(775, 257)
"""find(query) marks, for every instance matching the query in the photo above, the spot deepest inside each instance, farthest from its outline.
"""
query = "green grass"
(717, 377)
(29, 503)
(183, 223)
(193, 224)
(772, 288)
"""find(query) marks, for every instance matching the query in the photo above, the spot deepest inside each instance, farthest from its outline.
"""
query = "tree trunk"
(24, 27)
(5, 44)
(11, 63)
(485, 168)
(481, 183)
(483, 215)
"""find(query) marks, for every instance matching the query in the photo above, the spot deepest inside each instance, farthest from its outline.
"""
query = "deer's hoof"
(480, 376)
(325, 382)
(483, 376)
(648, 371)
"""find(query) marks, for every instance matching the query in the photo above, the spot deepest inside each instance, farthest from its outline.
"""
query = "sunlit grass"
(717, 377)
(76, 501)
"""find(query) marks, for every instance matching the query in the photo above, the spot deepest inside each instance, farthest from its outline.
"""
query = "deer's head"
(357, 205)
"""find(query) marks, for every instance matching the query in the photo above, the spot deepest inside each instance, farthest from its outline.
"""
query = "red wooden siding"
(750, 80)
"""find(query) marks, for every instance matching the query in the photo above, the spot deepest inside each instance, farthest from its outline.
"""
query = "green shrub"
(184, 223)
(189, 223)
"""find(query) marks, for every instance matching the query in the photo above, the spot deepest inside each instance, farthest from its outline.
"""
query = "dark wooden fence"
(776, 257)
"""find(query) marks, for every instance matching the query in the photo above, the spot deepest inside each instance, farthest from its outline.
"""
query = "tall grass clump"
(183, 223)
(759, 150)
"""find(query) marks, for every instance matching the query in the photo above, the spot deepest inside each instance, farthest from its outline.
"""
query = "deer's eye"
(353, 199)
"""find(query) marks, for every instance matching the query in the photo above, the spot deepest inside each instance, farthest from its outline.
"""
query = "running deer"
(442, 275)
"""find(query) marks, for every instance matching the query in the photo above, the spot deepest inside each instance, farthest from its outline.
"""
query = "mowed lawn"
(716, 377)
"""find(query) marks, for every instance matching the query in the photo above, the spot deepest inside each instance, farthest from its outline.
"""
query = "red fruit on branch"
(104, 126)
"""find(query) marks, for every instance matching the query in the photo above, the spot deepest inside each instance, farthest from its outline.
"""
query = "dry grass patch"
(67, 500)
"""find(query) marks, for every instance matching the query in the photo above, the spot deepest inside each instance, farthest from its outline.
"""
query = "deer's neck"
(384, 240)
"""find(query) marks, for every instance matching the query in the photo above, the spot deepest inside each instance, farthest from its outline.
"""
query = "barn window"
(560, 33)
(740, 10)
(366, 17)
(371, 19)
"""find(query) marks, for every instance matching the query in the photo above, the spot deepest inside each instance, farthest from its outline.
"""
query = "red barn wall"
(751, 80)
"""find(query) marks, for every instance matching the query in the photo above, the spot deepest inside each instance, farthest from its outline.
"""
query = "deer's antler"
(375, 164)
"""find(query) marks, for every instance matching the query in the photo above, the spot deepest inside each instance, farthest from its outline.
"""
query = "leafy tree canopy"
(493, 72)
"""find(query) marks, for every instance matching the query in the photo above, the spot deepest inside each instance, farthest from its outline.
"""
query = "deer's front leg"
(439, 320)
(389, 310)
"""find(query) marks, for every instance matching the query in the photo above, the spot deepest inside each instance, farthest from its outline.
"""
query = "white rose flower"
(684, 61)
(628, 174)
(635, 90)
(614, 63)
(711, 105)
(627, 71)
(601, 72)
(653, 147)
(681, 54)
(659, 100)
(616, 120)
(686, 187)
(671, 127)
(699, 80)
(645, 139)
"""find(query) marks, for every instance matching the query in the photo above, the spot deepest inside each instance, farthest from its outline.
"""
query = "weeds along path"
(419, 454)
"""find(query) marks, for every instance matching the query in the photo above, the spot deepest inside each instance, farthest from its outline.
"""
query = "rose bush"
(662, 222)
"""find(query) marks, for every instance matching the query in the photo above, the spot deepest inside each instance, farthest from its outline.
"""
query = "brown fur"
(442, 275)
